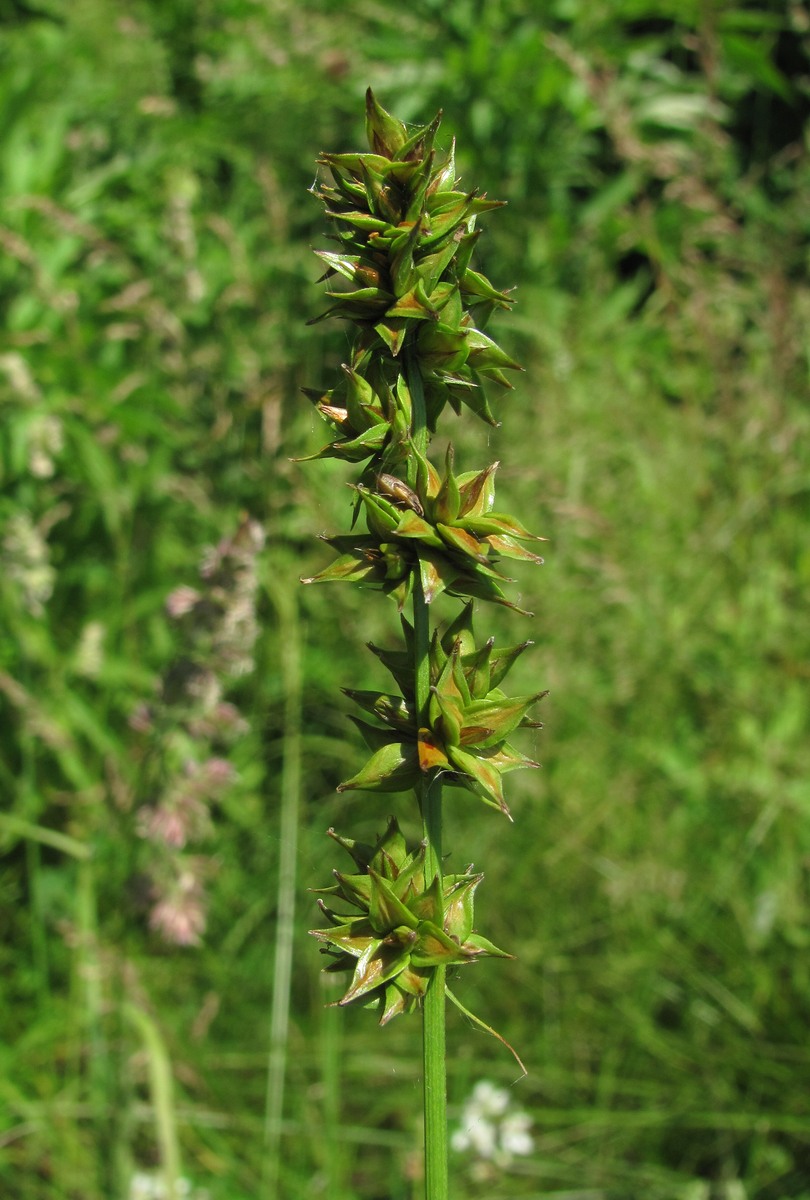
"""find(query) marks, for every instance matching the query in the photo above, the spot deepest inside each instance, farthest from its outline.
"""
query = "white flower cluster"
(46, 441)
(144, 1186)
(492, 1129)
(26, 561)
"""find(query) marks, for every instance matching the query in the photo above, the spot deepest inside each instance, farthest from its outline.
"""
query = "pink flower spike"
(179, 917)
(181, 601)
(218, 772)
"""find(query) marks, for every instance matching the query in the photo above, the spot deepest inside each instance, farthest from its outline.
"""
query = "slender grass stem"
(430, 804)
(290, 652)
(89, 976)
(162, 1096)
(333, 1134)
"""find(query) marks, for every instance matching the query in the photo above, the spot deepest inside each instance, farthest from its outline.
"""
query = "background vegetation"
(155, 281)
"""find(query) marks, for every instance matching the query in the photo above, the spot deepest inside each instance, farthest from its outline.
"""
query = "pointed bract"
(409, 923)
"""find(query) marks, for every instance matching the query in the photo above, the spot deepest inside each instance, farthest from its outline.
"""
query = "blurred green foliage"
(155, 281)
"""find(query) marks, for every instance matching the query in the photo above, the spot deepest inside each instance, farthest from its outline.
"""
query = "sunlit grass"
(156, 279)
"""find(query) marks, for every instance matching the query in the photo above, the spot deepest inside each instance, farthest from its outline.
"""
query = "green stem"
(289, 637)
(434, 1048)
(331, 1142)
(162, 1095)
(430, 804)
(89, 977)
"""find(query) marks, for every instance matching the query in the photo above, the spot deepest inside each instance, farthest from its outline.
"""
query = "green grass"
(155, 281)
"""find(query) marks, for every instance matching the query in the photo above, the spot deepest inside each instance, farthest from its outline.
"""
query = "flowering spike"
(405, 929)
(401, 275)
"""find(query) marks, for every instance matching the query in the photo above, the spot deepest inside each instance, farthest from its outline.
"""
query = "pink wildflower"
(181, 601)
(179, 917)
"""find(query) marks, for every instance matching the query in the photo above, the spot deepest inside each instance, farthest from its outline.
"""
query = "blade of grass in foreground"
(289, 643)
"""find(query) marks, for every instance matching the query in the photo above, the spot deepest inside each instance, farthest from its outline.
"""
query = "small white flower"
(143, 1186)
(89, 657)
(491, 1100)
(483, 1138)
(26, 561)
(515, 1136)
(491, 1129)
(19, 376)
(45, 442)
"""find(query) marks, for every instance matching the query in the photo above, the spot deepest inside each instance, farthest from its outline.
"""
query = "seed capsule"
(399, 491)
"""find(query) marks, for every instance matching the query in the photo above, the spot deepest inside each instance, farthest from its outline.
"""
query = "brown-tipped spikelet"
(404, 923)
(469, 719)
(405, 236)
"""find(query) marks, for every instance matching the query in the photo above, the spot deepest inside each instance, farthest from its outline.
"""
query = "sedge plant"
(401, 276)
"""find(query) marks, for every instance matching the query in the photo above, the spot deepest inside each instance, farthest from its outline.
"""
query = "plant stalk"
(430, 805)
(290, 649)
